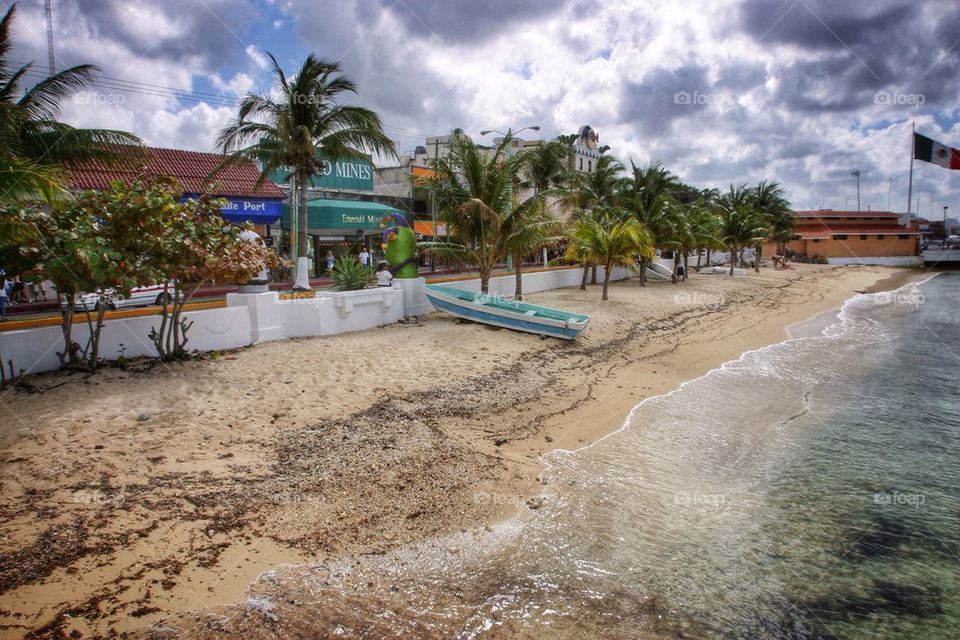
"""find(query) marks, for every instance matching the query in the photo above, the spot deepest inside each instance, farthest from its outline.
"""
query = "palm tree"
(545, 166)
(610, 237)
(303, 129)
(704, 227)
(599, 188)
(526, 230)
(660, 216)
(769, 201)
(477, 200)
(33, 144)
(740, 224)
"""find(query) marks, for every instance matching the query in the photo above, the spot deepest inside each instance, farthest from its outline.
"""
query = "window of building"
(902, 236)
(589, 166)
(816, 240)
(863, 237)
(840, 236)
(879, 237)
(581, 164)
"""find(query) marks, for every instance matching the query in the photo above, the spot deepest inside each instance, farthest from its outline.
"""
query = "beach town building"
(876, 237)
(247, 201)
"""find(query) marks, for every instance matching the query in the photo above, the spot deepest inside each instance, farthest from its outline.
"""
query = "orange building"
(851, 235)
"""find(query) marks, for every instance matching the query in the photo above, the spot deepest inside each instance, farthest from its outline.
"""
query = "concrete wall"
(261, 317)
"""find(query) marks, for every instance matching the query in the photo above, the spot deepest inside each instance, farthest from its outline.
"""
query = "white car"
(139, 297)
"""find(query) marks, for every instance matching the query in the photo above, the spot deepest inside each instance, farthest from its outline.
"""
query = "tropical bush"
(350, 275)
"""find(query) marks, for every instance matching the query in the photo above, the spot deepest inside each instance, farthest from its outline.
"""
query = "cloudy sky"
(799, 91)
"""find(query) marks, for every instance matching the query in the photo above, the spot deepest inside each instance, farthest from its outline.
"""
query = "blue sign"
(255, 210)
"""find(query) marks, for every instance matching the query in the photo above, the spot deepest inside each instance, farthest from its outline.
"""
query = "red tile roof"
(191, 168)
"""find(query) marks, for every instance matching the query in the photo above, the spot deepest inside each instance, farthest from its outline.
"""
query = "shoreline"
(582, 392)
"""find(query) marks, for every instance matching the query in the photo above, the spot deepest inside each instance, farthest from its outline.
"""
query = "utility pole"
(50, 59)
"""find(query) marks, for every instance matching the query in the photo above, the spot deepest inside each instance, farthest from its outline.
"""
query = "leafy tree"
(302, 129)
(609, 238)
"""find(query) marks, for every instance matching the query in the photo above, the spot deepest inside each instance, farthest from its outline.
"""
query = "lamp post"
(510, 134)
(945, 225)
(856, 173)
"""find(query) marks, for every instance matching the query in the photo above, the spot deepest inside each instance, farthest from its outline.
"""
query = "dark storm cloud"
(456, 21)
(652, 104)
(860, 49)
(209, 32)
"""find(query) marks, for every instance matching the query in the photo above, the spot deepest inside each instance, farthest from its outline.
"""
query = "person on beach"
(384, 277)
(364, 256)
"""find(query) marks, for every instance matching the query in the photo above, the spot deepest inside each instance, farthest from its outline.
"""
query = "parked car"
(139, 297)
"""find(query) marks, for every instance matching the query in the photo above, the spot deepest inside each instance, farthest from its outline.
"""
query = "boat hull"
(518, 322)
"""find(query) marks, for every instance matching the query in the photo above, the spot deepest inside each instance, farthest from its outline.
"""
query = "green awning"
(324, 213)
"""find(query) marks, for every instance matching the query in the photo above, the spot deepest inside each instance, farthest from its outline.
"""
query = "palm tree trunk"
(708, 256)
(593, 274)
(733, 257)
(606, 279)
(759, 253)
(676, 262)
(686, 266)
(518, 268)
(583, 281)
(643, 271)
(303, 245)
(699, 255)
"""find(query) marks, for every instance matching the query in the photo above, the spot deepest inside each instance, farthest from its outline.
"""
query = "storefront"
(340, 226)
(247, 201)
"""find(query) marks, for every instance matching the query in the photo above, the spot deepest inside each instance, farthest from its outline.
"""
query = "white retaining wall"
(261, 317)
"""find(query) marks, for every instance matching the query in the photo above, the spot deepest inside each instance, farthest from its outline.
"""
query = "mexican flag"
(930, 150)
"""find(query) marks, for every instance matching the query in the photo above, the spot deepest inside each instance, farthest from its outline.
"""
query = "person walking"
(3, 298)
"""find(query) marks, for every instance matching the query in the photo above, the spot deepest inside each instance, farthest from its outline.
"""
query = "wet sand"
(133, 495)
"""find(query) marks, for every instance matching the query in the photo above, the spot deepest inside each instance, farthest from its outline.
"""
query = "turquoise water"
(810, 489)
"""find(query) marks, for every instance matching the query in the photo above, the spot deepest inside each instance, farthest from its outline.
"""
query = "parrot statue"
(399, 246)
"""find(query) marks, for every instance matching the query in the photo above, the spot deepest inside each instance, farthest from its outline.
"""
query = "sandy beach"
(133, 495)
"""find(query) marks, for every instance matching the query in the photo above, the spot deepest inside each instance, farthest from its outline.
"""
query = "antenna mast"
(50, 59)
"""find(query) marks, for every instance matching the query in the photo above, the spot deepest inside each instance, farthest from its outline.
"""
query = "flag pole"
(913, 152)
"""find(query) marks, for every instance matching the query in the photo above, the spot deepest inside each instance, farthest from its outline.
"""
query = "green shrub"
(350, 275)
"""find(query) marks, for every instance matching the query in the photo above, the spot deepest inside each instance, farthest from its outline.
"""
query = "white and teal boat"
(504, 312)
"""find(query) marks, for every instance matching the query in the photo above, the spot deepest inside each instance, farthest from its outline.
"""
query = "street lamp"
(856, 173)
(510, 134)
